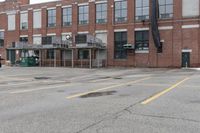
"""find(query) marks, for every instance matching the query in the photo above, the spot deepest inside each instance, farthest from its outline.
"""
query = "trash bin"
(28, 61)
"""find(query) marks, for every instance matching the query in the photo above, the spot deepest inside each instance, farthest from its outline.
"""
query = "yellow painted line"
(163, 92)
(107, 88)
(38, 89)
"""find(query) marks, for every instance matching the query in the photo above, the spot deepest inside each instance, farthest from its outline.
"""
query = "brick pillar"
(44, 21)
(110, 47)
(58, 20)
(30, 26)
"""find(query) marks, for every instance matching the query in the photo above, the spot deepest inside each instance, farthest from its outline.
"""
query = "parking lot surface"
(118, 100)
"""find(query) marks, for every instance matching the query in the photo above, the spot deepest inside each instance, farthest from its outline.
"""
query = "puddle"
(117, 78)
(41, 78)
(98, 94)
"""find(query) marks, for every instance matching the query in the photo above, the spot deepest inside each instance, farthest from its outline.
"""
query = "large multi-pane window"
(51, 17)
(142, 9)
(101, 13)
(11, 22)
(24, 21)
(120, 40)
(142, 40)
(67, 16)
(37, 19)
(23, 39)
(1, 39)
(121, 11)
(165, 8)
(83, 12)
(190, 8)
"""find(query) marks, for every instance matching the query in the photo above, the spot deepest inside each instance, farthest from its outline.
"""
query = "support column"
(72, 58)
(90, 58)
(55, 52)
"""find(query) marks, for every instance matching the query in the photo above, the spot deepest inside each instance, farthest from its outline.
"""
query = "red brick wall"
(175, 39)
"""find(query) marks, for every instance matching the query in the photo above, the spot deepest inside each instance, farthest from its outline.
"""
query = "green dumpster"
(28, 61)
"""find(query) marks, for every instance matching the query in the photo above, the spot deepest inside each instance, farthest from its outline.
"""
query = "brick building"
(124, 27)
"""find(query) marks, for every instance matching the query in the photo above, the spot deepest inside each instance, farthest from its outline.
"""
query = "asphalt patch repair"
(98, 94)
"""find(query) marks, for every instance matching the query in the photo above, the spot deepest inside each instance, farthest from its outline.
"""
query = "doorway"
(185, 59)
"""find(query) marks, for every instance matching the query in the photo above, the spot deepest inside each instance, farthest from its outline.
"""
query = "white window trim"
(101, 31)
(100, 2)
(37, 35)
(165, 27)
(83, 4)
(190, 26)
(120, 30)
(141, 29)
(23, 36)
(51, 34)
(83, 32)
(67, 6)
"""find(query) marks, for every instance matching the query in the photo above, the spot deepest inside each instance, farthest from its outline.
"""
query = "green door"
(11, 56)
(186, 59)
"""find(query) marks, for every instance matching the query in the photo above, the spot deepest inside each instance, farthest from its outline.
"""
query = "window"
(48, 40)
(120, 40)
(1, 39)
(23, 39)
(37, 40)
(102, 37)
(101, 13)
(11, 22)
(190, 8)
(50, 54)
(24, 21)
(120, 11)
(67, 16)
(165, 8)
(51, 18)
(83, 54)
(83, 15)
(142, 40)
(37, 19)
(142, 10)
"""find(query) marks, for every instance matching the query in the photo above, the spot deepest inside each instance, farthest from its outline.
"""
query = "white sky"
(36, 1)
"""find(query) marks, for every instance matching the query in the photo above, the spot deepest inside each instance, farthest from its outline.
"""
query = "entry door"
(186, 59)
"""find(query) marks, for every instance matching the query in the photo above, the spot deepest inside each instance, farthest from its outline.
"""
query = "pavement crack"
(167, 117)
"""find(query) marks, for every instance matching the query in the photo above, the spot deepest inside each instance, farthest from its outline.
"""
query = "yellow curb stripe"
(107, 88)
(163, 92)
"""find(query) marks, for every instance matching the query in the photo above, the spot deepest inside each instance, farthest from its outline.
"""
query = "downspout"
(154, 24)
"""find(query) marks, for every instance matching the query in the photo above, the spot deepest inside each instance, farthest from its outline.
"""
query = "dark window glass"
(83, 54)
(101, 13)
(83, 15)
(51, 18)
(50, 54)
(142, 9)
(1, 39)
(120, 41)
(142, 40)
(165, 9)
(120, 11)
(23, 39)
(67, 16)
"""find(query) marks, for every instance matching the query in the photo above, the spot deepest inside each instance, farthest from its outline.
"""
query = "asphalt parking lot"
(119, 100)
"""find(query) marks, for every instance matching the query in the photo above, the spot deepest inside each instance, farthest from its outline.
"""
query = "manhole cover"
(98, 94)
(40, 78)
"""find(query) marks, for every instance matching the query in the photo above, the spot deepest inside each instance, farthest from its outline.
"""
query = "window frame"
(67, 16)
(142, 9)
(119, 51)
(51, 18)
(82, 20)
(102, 19)
(121, 18)
(142, 42)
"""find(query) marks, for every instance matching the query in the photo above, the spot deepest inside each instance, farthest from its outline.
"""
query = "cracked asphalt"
(118, 100)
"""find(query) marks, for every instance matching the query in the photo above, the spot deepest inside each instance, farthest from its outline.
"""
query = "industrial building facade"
(130, 33)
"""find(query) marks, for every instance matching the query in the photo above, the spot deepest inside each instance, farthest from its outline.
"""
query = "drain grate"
(41, 78)
(98, 94)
